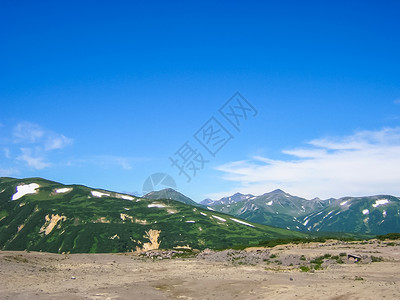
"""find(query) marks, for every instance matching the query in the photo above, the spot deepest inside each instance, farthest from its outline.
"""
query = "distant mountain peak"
(207, 201)
(171, 190)
(237, 194)
(228, 200)
(278, 191)
(169, 193)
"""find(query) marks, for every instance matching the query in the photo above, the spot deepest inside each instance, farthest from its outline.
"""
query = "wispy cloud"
(56, 141)
(7, 153)
(26, 132)
(31, 144)
(36, 162)
(30, 133)
(367, 162)
(110, 161)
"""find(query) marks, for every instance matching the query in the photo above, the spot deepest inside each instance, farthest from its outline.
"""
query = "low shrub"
(304, 269)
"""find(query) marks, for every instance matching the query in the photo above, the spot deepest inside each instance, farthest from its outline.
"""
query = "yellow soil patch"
(20, 227)
(152, 236)
(115, 236)
(183, 247)
(171, 211)
(101, 220)
(143, 222)
(125, 216)
(50, 223)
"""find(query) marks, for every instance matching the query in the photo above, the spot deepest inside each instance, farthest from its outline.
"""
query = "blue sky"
(103, 94)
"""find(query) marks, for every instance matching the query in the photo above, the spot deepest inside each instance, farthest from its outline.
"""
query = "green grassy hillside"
(74, 218)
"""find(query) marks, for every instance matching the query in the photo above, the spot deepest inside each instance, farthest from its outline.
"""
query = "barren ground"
(127, 276)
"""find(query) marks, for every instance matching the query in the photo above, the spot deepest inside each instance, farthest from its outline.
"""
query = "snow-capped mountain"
(227, 200)
(371, 214)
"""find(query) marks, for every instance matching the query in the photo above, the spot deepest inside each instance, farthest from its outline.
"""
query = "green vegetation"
(338, 258)
(389, 236)
(376, 259)
(358, 278)
(345, 215)
(310, 238)
(304, 269)
(317, 262)
(184, 253)
(3, 214)
(83, 223)
(339, 261)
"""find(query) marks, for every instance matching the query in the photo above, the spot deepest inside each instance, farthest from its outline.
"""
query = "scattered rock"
(165, 254)
(235, 256)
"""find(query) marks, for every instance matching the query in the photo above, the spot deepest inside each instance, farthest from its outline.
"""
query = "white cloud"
(365, 163)
(123, 162)
(34, 144)
(7, 153)
(34, 162)
(26, 132)
(113, 160)
(106, 161)
(30, 133)
(57, 141)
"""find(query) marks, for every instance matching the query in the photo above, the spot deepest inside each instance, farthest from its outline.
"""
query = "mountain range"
(370, 214)
(41, 215)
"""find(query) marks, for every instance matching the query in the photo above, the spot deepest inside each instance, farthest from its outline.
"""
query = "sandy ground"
(125, 276)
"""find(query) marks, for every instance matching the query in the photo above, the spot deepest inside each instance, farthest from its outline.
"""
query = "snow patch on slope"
(63, 190)
(327, 214)
(26, 189)
(380, 202)
(219, 218)
(241, 222)
(158, 205)
(126, 197)
(99, 194)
